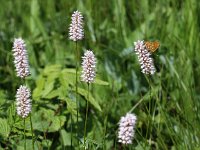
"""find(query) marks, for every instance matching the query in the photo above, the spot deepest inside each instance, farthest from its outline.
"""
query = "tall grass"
(168, 116)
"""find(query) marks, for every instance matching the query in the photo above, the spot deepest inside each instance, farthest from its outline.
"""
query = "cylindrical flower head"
(23, 101)
(144, 58)
(21, 58)
(88, 66)
(126, 128)
(76, 27)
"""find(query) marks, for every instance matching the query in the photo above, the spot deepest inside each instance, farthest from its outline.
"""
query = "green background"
(167, 104)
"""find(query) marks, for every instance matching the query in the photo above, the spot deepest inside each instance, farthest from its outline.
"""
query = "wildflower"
(76, 27)
(23, 101)
(126, 128)
(88, 65)
(20, 58)
(144, 58)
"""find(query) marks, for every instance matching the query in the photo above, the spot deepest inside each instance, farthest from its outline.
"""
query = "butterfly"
(152, 46)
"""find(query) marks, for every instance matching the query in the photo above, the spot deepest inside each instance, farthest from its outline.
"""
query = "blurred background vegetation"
(167, 104)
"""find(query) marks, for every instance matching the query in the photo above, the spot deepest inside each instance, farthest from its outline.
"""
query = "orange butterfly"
(152, 46)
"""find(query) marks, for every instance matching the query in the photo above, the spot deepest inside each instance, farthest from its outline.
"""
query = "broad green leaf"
(71, 106)
(62, 92)
(84, 93)
(46, 119)
(4, 128)
(69, 75)
(64, 81)
(40, 83)
(53, 94)
(48, 88)
(20, 144)
(52, 69)
(11, 111)
(100, 82)
(66, 137)
(69, 70)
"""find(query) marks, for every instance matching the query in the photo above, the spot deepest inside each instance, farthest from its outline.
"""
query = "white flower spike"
(23, 101)
(76, 31)
(144, 58)
(21, 58)
(126, 128)
(88, 66)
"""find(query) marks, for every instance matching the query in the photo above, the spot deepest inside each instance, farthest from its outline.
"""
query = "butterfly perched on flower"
(152, 46)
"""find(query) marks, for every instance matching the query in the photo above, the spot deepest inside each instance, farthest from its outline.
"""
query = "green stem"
(45, 137)
(136, 104)
(77, 102)
(32, 132)
(150, 107)
(71, 129)
(24, 134)
(86, 116)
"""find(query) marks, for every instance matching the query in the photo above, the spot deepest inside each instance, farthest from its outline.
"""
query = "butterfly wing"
(156, 45)
(152, 46)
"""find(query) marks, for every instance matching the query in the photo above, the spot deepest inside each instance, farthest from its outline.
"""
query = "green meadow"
(167, 103)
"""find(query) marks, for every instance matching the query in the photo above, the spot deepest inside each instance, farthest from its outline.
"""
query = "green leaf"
(64, 81)
(65, 137)
(46, 119)
(20, 144)
(71, 106)
(40, 83)
(69, 75)
(84, 93)
(52, 69)
(100, 82)
(70, 70)
(11, 111)
(4, 128)
(48, 88)
(53, 94)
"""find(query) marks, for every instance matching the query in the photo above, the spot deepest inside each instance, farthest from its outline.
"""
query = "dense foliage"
(166, 104)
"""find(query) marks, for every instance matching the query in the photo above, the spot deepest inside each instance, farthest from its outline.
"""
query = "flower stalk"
(76, 33)
(88, 76)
